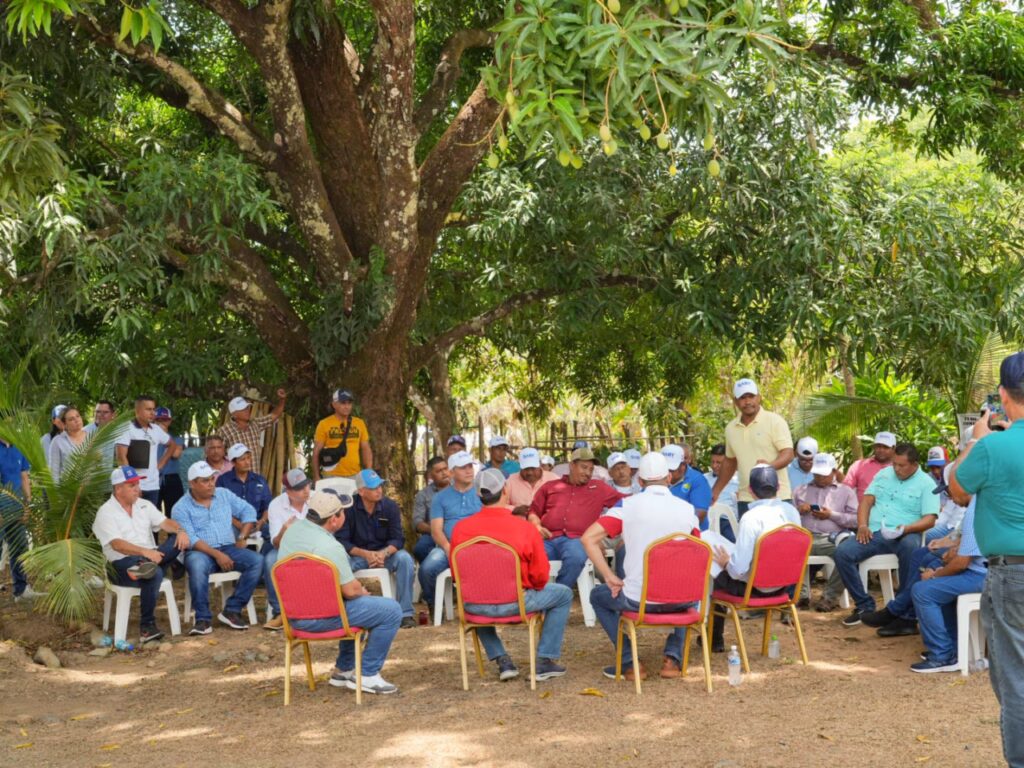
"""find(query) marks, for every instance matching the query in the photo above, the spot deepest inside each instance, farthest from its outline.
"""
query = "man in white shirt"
(136, 447)
(622, 479)
(124, 526)
(283, 511)
(765, 513)
(640, 519)
(728, 494)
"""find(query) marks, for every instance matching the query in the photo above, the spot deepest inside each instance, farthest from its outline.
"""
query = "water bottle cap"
(733, 648)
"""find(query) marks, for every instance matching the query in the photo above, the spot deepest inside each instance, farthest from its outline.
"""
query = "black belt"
(1006, 560)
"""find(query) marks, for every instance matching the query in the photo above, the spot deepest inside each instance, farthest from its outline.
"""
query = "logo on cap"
(124, 475)
(369, 479)
(238, 404)
(459, 459)
(673, 456)
(529, 458)
(237, 450)
(744, 387)
(343, 396)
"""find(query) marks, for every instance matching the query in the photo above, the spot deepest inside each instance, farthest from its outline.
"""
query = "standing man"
(215, 452)
(498, 450)
(102, 415)
(564, 510)
(521, 487)
(732, 488)
(137, 445)
(124, 526)
(437, 480)
(373, 537)
(243, 428)
(799, 469)
(284, 510)
(991, 467)
(341, 444)
(687, 483)
(171, 487)
(249, 485)
(863, 471)
(14, 477)
(756, 436)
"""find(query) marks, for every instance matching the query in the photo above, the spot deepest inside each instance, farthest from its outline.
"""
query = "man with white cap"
(863, 471)
(522, 486)
(247, 484)
(206, 513)
(452, 504)
(497, 449)
(756, 436)
(547, 463)
(284, 510)
(640, 519)
(950, 513)
(243, 428)
(374, 537)
(553, 600)
(315, 535)
(827, 508)
(799, 469)
(136, 447)
(622, 475)
(341, 443)
(124, 526)
(937, 461)
(685, 482)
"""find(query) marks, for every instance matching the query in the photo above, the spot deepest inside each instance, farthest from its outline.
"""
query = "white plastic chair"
(585, 584)
(970, 635)
(715, 515)
(124, 596)
(388, 587)
(225, 582)
(443, 597)
(885, 564)
(830, 565)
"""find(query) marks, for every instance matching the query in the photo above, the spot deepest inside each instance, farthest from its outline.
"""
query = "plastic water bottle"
(123, 645)
(106, 642)
(735, 670)
(773, 647)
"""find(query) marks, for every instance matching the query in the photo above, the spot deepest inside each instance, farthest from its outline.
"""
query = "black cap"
(764, 481)
(1011, 372)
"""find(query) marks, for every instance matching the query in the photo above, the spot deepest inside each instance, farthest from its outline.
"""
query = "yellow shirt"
(762, 438)
(329, 432)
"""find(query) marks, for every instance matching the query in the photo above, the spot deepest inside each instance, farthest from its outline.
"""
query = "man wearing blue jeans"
(991, 467)
(206, 513)
(554, 600)
(437, 480)
(897, 508)
(641, 519)
(315, 535)
(282, 512)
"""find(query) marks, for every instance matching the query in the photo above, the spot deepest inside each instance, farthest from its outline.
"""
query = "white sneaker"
(372, 684)
(341, 679)
(28, 594)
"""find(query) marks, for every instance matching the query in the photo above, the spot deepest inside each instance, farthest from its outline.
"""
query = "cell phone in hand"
(994, 406)
(815, 508)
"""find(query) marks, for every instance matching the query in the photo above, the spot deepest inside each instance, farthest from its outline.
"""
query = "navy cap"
(580, 444)
(162, 413)
(457, 440)
(343, 396)
(1011, 372)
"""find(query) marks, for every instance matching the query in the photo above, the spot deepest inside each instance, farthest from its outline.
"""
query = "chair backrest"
(308, 588)
(717, 512)
(780, 558)
(676, 570)
(487, 572)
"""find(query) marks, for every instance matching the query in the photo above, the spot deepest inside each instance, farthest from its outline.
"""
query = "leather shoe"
(670, 668)
(898, 627)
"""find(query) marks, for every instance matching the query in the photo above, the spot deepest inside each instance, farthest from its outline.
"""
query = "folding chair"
(676, 570)
(780, 559)
(488, 572)
(308, 588)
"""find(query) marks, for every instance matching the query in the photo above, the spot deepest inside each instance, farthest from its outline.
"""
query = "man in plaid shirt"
(243, 428)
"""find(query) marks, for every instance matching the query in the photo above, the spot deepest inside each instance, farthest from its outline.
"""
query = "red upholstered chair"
(307, 588)
(780, 559)
(676, 570)
(488, 572)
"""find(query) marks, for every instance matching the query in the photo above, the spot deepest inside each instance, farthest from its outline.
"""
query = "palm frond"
(833, 418)
(984, 378)
(61, 569)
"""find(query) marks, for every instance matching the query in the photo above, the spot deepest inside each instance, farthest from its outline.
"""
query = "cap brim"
(937, 462)
(299, 486)
(820, 473)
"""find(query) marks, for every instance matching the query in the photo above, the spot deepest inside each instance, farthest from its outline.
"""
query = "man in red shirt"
(863, 471)
(563, 510)
(553, 600)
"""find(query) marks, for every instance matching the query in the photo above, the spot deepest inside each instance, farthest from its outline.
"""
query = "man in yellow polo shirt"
(756, 436)
(341, 444)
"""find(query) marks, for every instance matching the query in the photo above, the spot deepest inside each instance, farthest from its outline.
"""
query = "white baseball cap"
(633, 457)
(744, 387)
(529, 458)
(823, 464)
(653, 466)
(200, 470)
(490, 480)
(497, 441)
(238, 404)
(937, 456)
(237, 450)
(616, 458)
(460, 459)
(885, 438)
(673, 456)
(807, 446)
(547, 460)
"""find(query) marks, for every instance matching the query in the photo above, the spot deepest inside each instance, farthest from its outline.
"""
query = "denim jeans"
(935, 606)
(149, 588)
(554, 600)
(936, 532)
(1002, 616)
(851, 553)
(200, 566)
(16, 536)
(424, 544)
(380, 615)
(903, 604)
(403, 567)
(269, 561)
(608, 610)
(570, 552)
(431, 567)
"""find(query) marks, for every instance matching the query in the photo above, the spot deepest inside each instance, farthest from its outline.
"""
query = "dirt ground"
(207, 701)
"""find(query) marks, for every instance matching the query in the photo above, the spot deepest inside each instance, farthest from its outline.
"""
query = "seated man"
(124, 526)
(497, 449)
(282, 512)
(373, 537)
(248, 485)
(315, 535)
(765, 513)
(939, 573)
(950, 513)
(437, 480)
(826, 507)
(687, 483)
(799, 469)
(563, 510)
(521, 487)
(640, 519)
(206, 513)
(553, 600)
(622, 475)
(896, 509)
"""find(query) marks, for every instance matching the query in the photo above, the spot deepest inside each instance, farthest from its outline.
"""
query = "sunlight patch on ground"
(180, 733)
(425, 749)
(119, 679)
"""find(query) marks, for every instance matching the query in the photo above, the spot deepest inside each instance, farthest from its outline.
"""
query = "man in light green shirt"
(381, 615)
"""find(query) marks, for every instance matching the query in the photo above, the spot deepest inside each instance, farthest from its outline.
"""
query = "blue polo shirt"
(254, 490)
(994, 472)
(452, 505)
(374, 532)
(968, 541)
(901, 502)
(12, 464)
(797, 476)
(694, 488)
(508, 467)
(213, 525)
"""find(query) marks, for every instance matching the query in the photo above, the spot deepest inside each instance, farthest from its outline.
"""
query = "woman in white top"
(72, 439)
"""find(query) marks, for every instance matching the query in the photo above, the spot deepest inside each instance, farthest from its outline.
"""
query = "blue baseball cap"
(1011, 371)
(369, 479)
(124, 475)
(580, 444)
(457, 440)
(162, 413)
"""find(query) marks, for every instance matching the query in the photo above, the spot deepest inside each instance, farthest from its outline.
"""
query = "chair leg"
(172, 608)
(636, 656)
(107, 596)
(532, 628)
(706, 653)
(799, 633)
(739, 636)
(462, 652)
(359, 669)
(121, 613)
(479, 655)
(767, 630)
(309, 667)
(287, 672)
(618, 652)
(251, 607)
(686, 654)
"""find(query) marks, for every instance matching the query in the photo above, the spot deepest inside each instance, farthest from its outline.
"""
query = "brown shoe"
(276, 624)
(609, 672)
(826, 605)
(670, 668)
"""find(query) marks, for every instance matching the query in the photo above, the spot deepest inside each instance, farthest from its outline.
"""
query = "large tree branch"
(927, 20)
(447, 74)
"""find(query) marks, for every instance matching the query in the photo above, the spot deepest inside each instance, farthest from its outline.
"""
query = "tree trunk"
(850, 389)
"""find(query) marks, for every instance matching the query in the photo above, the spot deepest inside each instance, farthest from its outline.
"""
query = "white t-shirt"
(153, 435)
(280, 511)
(760, 517)
(112, 522)
(646, 517)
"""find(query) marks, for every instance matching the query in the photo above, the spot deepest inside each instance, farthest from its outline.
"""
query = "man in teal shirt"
(991, 467)
(897, 508)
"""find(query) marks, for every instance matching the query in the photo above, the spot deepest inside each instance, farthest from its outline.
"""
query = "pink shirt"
(861, 473)
(518, 492)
